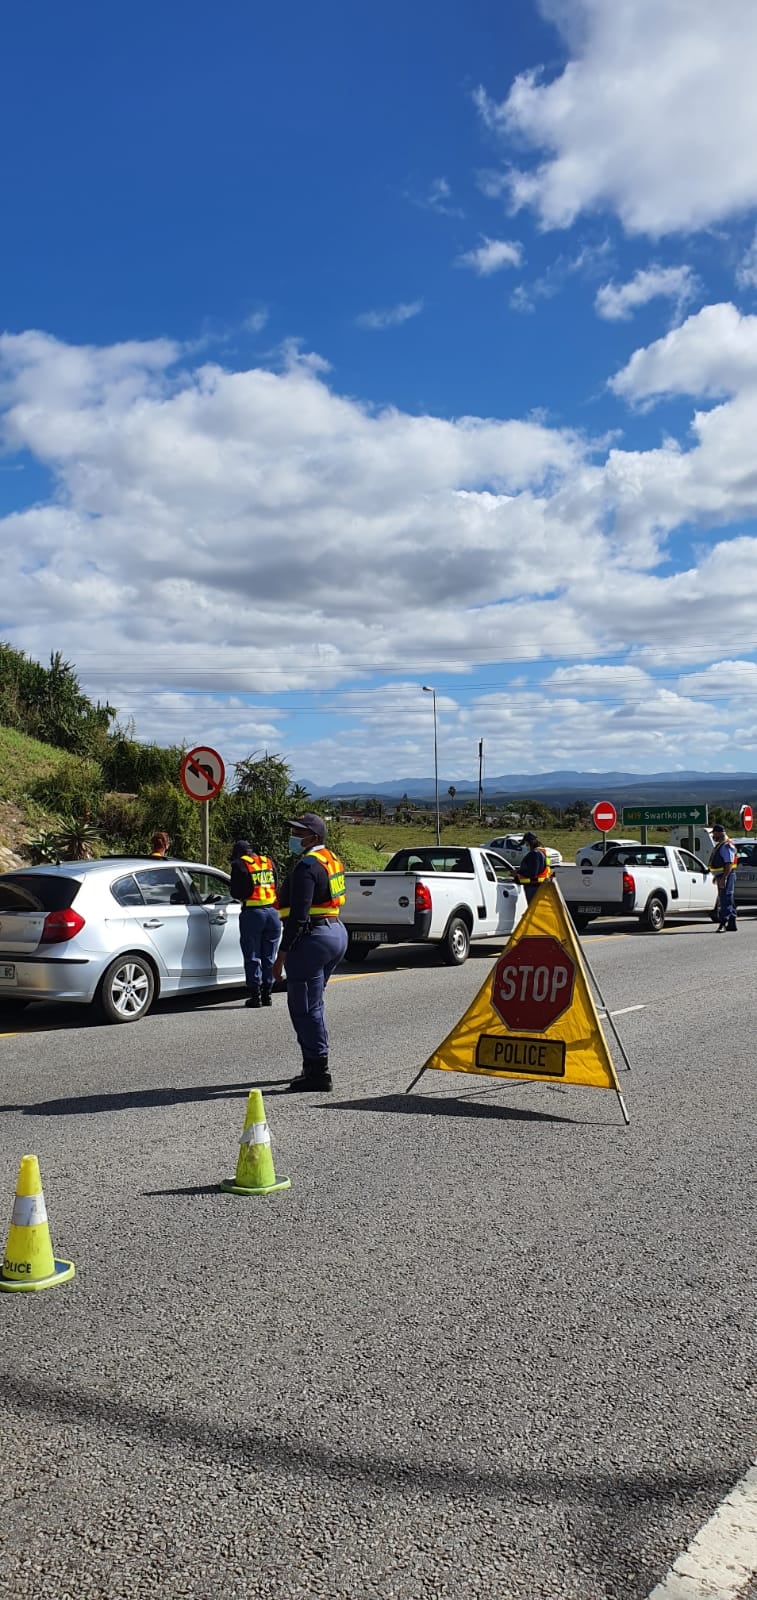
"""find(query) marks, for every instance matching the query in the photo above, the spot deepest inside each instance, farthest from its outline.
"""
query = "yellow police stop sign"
(534, 1017)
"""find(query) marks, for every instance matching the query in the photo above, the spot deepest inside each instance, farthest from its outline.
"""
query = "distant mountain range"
(559, 788)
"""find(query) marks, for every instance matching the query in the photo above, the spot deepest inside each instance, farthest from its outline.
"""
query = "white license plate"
(7, 973)
(588, 911)
(370, 938)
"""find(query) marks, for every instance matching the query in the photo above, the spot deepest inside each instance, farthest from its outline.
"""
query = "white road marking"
(624, 1010)
(723, 1557)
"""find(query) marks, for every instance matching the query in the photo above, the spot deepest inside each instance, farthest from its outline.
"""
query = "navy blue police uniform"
(253, 881)
(313, 944)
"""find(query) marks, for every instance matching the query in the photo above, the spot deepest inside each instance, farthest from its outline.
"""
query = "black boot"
(732, 926)
(314, 1079)
(265, 995)
(253, 998)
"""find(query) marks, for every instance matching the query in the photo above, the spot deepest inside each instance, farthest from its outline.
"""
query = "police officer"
(313, 944)
(253, 881)
(534, 868)
(722, 864)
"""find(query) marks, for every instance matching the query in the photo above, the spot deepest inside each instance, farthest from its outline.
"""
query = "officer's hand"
(278, 968)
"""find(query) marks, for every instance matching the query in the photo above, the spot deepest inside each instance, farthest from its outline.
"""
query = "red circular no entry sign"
(747, 818)
(533, 985)
(604, 816)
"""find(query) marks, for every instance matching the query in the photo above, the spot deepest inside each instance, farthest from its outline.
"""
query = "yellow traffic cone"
(255, 1172)
(29, 1263)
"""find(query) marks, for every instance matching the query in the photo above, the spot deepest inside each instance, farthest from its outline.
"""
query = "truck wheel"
(356, 954)
(654, 914)
(127, 989)
(580, 923)
(455, 945)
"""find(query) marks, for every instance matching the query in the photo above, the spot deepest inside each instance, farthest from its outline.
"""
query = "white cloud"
(437, 197)
(588, 262)
(214, 538)
(714, 352)
(746, 272)
(653, 116)
(617, 302)
(491, 256)
(390, 316)
(257, 320)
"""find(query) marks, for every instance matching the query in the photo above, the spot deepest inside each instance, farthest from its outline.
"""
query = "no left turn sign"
(202, 773)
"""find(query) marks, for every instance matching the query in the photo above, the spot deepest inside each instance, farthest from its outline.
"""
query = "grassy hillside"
(22, 760)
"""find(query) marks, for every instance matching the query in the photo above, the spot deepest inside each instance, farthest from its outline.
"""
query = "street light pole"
(428, 690)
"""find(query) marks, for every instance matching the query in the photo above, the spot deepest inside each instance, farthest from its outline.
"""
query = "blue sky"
(349, 349)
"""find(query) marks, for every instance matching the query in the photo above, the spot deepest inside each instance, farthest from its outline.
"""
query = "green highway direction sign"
(663, 816)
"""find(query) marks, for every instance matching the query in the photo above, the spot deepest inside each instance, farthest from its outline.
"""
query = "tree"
(261, 804)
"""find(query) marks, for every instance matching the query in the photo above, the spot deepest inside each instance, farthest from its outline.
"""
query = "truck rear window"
(427, 858)
(32, 891)
(641, 855)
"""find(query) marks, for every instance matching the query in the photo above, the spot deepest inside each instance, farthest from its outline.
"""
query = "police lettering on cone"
(722, 864)
(253, 881)
(313, 943)
(534, 868)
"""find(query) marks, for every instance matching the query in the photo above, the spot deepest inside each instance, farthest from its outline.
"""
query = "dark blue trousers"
(308, 969)
(259, 935)
(727, 898)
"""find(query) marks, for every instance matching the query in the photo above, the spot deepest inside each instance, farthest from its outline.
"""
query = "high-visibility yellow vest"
(547, 873)
(724, 865)
(337, 895)
(263, 880)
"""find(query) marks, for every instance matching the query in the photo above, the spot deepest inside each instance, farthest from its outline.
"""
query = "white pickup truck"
(650, 882)
(443, 894)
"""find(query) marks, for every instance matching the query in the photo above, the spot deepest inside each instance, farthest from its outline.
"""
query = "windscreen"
(32, 891)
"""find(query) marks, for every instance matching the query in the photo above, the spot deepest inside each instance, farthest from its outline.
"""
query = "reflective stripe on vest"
(543, 876)
(724, 866)
(263, 879)
(337, 896)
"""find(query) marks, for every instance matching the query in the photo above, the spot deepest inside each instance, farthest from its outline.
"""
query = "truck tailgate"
(588, 890)
(384, 898)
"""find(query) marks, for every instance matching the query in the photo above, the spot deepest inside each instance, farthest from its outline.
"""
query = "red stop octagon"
(533, 985)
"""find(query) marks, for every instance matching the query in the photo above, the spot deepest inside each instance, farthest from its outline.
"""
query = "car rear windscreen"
(429, 858)
(34, 891)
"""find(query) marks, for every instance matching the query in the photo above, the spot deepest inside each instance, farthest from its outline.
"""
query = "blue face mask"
(295, 845)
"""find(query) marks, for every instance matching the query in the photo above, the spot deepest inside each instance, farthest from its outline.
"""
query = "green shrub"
(74, 789)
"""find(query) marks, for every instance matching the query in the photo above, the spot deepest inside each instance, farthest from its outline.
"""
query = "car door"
(178, 929)
(696, 883)
(212, 891)
(510, 897)
(746, 875)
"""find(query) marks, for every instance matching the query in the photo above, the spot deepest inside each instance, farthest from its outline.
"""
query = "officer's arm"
(302, 890)
(240, 881)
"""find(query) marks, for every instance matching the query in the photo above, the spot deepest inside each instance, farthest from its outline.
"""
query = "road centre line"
(722, 1558)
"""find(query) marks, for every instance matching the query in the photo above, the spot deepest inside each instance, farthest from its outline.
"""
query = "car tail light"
(422, 897)
(629, 883)
(60, 926)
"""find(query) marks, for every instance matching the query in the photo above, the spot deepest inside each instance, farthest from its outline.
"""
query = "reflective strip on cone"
(29, 1211)
(256, 1133)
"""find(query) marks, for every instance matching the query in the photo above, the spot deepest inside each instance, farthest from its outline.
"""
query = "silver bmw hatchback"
(118, 933)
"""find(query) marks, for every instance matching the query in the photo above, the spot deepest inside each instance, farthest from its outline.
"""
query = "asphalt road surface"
(492, 1343)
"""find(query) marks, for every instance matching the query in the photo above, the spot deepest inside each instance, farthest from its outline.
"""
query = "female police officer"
(313, 944)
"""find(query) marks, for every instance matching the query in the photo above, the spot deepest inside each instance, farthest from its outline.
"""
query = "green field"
(369, 844)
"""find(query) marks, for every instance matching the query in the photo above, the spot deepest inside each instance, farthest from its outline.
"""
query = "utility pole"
(427, 689)
(480, 784)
